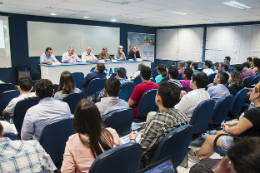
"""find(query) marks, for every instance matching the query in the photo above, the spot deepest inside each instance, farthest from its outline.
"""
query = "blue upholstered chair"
(254, 81)
(165, 79)
(153, 80)
(155, 72)
(11, 135)
(175, 144)
(246, 81)
(6, 97)
(238, 103)
(6, 87)
(38, 65)
(183, 88)
(73, 99)
(95, 85)
(124, 158)
(54, 137)
(79, 77)
(211, 78)
(120, 120)
(180, 76)
(55, 87)
(147, 103)
(138, 80)
(126, 90)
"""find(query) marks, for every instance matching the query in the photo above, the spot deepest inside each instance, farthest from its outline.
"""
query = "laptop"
(164, 165)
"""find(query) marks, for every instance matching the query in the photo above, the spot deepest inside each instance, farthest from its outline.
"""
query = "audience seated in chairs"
(207, 67)
(256, 64)
(66, 86)
(23, 156)
(248, 71)
(46, 111)
(111, 102)
(137, 73)
(161, 69)
(186, 75)
(249, 126)
(239, 68)
(162, 123)
(181, 65)
(173, 75)
(190, 101)
(25, 87)
(235, 82)
(98, 73)
(194, 66)
(140, 89)
(91, 138)
(216, 65)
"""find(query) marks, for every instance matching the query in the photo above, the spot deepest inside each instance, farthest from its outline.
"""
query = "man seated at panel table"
(119, 55)
(48, 57)
(104, 55)
(70, 56)
(134, 54)
(46, 111)
(88, 56)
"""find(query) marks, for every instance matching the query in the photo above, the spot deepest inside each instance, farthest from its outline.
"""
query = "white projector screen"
(60, 36)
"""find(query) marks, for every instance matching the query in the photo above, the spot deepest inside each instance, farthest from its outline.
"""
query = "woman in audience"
(161, 69)
(248, 126)
(66, 86)
(91, 138)
(188, 64)
(239, 68)
(235, 82)
(186, 75)
(256, 64)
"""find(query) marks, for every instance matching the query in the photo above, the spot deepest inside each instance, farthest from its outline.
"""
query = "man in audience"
(219, 89)
(48, 57)
(163, 122)
(227, 60)
(190, 101)
(70, 56)
(173, 75)
(207, 67)
(194, 66)
(181, 66)
(134, 54)
(250, 61)
(25, 87)
(248, 71)
(87, 56)
(23, 156)
(119, 55)
(140, 89)
(111, 102)
(223, 67)
(137, 73)
(104, 55)
(216, 65)
(46, 111)
(98, 73)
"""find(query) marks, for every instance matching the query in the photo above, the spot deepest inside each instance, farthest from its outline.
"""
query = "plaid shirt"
(162, 123)
(23, 156)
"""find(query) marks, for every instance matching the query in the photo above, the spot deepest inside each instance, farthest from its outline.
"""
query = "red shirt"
(138, 92)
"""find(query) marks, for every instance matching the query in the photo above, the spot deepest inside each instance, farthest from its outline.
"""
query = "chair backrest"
(221, 109)
(238, 102)
(95, 85)
(38, 65)
(152, 80)
(124, 158)
(11, 135)
(155, 72)
(147, 103)
(211, 78)
(54, 137)
(79, 77)
(6, 87)
(183, 88)
(120, 120)
(254, 81)
(126, 90)
(180, 76)
(55, 87)
(202, 115)
(138, 80)
(246, 81)
(20, 110)
(175, 144)
(6, 97)
(165, 79)
(73, 99)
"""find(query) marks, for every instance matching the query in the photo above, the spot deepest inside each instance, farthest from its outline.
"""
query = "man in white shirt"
(70, 56)
(48, 57)
(191, 100)
(207, 67)
(88, 56)
(25, 87)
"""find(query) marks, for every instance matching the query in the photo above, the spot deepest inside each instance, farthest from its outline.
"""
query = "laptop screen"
(164, 165)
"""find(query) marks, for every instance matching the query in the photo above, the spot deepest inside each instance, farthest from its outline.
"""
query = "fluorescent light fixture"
(212, 20)
(113, 20)
(85, 17)
(53, 14)
(117, 1)
(173, 12)
(236, 4)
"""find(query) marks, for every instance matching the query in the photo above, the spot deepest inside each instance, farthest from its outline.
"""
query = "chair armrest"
(215, 147)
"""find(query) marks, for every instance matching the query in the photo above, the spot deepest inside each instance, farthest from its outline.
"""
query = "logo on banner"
(111, 71)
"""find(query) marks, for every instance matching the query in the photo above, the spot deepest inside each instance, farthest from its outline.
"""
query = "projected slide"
(5, 53)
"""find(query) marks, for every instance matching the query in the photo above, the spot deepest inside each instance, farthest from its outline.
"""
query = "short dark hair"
(201, 79)
(104, 48)
(44, 88)
(246, 64)
(25, 83)
(101, 67)
(238, 67)
(188, 72)
(216, 64)
(250, 59)
(173, 71)
(162, 70)
(146, 73)
(225, 65)
(208, 63)
(112, 86)
(228, 58)
(195, 65)
(170, 94)
(189, 63)
(48, 48)
(256, 62)
(223, 77)
(245, 155)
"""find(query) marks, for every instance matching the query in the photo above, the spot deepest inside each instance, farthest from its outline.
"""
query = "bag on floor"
(204, 166)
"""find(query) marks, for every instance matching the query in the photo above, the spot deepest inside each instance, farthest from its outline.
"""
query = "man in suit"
(104, 55)
(134, 54)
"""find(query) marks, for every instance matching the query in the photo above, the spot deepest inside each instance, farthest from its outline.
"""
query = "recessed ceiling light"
(174, 12)
(85, 17)
(53, 14)
(113, 20)
(236, 4)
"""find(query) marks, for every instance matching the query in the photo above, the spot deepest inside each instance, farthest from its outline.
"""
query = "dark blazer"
(132, 56)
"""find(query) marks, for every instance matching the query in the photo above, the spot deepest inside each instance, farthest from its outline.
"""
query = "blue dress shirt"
(43, 57)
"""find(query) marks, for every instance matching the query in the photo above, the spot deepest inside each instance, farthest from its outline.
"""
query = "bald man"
(70, 56)
(88, 56)
(119, 55)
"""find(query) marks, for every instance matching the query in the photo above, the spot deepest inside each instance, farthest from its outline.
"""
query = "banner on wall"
(144, 42)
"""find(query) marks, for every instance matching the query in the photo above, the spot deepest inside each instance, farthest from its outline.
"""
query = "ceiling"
(139, 12)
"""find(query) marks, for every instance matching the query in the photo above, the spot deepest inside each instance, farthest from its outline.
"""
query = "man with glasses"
(104, 55)
(119, 55)
(88, 56)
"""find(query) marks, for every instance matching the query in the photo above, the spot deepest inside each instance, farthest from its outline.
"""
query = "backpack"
(204, 166)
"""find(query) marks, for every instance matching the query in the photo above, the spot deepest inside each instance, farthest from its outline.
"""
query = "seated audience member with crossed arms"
(48, 57)
(140, 89)
(46, 111)
(134, 54)
(70, 56)
(163, 122)
(104, 55)
(87, 56)
(173, 75)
